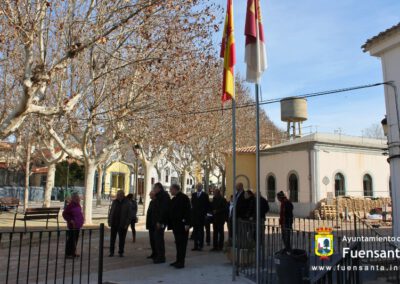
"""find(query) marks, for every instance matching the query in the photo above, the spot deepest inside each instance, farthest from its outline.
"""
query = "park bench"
(38, 214)
(7, 203)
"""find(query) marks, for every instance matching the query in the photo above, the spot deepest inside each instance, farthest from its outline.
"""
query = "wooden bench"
(39, 214)
(9, 202)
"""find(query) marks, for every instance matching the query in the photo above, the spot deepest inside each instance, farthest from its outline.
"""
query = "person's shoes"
(173, 263)
(111, 254)
(195, 249)
(214, 249)
(77, 255)
(150, 256)
(208, 244)
(179, 266)
(121, 255)
(158, 261)
(69, 256)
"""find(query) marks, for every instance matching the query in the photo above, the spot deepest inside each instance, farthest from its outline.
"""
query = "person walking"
(160, 218)
(219, 207)
(200, 206)
(134, 220)
(149, 225)
(285, 219)
(179, 223)
(119, 220)
(72, 214)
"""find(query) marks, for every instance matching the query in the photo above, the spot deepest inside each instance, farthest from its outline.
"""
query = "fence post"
(101, 244)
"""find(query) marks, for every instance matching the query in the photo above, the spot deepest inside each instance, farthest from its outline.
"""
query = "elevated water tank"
(294, 109)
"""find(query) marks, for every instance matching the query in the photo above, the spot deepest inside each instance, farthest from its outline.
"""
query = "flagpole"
(258, 217)
(234, 186)
(258, 221)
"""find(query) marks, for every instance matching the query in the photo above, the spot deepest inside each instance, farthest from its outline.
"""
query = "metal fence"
(39, 257)
(302, 237)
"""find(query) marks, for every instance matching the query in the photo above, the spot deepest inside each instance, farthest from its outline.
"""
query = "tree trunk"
(184, 180)
(147, 184)
(51, 174)
(90, 169)
(99, 185)
(27, 174)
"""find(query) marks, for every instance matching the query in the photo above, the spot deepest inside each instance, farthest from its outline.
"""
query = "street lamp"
(136, 149)
(204, 164)
(385, 126)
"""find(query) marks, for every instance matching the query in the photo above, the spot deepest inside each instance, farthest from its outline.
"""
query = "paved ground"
(46, 256)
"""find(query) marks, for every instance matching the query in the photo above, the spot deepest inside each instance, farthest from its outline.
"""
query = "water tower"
(294, 112)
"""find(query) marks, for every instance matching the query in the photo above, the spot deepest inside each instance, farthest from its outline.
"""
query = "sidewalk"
(212, 268)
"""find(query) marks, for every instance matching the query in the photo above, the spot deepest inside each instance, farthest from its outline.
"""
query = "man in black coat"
(242, 205)
(264, 207)
(119, 219)
(149, 225)
(219, 207)
(200, 207)
(160, 216)
(179, 223)
(285, 219)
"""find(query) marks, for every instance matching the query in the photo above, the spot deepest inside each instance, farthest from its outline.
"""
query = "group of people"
(178, 214)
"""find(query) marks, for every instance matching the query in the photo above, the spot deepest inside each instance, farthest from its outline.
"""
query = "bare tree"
(374, 131)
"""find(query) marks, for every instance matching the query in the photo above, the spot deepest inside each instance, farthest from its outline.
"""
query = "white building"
(307, 169)
(165, 173)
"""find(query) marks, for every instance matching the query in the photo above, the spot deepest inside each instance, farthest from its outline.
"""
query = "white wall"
(326, 160)
(281, 165)
(353, 165)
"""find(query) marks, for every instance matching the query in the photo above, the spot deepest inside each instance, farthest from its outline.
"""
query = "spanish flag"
(255, 54)
(228, 53)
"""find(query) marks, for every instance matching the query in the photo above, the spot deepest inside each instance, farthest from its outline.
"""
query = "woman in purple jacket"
(74, 217)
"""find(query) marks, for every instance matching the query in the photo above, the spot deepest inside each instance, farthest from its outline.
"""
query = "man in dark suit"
(160, 216)
(242, 205)
(220, 215)
(179, 223)
(200, 207)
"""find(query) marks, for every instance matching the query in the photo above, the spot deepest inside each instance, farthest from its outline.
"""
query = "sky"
(315, 45)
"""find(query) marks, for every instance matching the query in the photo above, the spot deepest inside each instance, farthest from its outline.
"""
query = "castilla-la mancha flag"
(255, 54)
(228, 53)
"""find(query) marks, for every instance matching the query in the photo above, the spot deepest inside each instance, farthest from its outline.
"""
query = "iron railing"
(39, 257)
(302, 237)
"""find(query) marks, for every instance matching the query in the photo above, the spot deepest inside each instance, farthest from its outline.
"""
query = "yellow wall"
(116, 167)
(245, 166)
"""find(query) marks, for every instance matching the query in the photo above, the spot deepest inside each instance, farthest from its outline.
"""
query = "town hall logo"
(323, 242)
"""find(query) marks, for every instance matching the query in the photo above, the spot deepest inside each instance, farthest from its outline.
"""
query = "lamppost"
(204, 164)
(136, 149)
(67, 180)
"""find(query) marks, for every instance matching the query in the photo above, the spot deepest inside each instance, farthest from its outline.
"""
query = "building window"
(339, 185)
(293, 188)
(367, 185)
(271, 188)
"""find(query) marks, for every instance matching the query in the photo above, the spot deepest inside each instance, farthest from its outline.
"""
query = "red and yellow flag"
(228, 53)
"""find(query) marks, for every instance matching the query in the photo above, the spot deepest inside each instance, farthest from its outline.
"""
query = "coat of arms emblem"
(323, 242)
